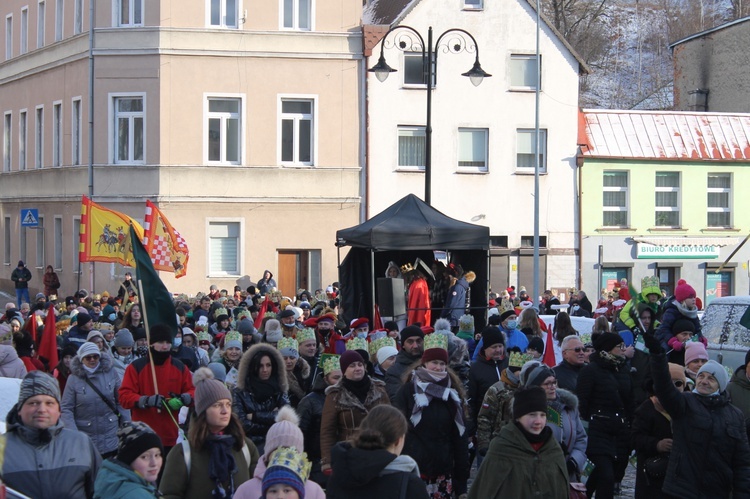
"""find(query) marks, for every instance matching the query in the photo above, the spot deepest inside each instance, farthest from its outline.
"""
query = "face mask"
(142, 351)
(362, 335)
(176, 342)
(512, 324)
(112, 317)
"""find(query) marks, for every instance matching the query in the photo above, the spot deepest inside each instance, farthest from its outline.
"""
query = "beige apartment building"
(242, 120)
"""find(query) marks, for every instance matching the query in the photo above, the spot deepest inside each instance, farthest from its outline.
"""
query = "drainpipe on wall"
(92, 19)
(579, 216)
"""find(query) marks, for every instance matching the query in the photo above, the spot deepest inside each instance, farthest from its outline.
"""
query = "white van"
(728, 340)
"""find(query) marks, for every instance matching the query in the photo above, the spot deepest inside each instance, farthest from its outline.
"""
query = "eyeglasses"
(91, 357)
(576, 349)
(678, 384)
(549, 384)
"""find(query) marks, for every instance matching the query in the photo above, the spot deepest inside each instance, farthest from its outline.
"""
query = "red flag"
(262, 313)
(48, 347)
(30, 326)
(549, 352)
(377, 322)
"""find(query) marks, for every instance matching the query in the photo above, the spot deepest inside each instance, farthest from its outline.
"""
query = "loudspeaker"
(391, 298)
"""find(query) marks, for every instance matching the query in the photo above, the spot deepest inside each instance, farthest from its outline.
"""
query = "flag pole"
(148, 339)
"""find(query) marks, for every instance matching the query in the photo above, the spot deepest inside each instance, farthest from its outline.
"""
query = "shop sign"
(686, 251)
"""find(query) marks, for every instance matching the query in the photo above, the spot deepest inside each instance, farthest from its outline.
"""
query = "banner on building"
(167, 248)
(103, 235)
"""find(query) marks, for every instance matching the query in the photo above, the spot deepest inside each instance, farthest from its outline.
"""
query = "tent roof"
(410, 224)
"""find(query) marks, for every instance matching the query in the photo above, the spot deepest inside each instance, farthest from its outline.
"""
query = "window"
(24, 30)
(7, 137)
(40, 24)
(9, 37)
(78, 17)
(58, 243)
(473, 4)
(528, 241)
(39, 138)
(667, 199)
(297, 14)
(224, 13)
(129, 129)
(224, 248)
(499, 241)
(59, 11)
(526, 147)
(40, 244)
(719, 191)
(75, 136)
(224, 139)
(22, 128)
(411, 147)
(615, 199)
(523, 72)
(297, 131)
(472, 149)
(57, 134)
(76, 246)
(129, 12)
(6, 236)
(415, 72)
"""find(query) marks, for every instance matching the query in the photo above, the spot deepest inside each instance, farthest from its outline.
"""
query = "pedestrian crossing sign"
(30, 217)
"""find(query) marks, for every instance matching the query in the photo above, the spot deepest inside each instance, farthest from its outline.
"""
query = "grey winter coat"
(571, 435)
(84, 410)
(10, 365)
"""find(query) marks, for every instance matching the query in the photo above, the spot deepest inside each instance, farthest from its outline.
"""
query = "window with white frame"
(24, 30)
(615, 199)
(523, 71)
(59, 19)
(719, 200)
(473, 4)
(7, 138)
(40, 244)
(297, 14)
(75, 136)
(78, 17)
(223, 248)
(9, 37)
(57, 134)
(39, 138)
(411, 147)
(129, 135)
(472, 149)
(129, 12)
(224, 13)
(667, 199)
(297, 131)
(41, 15)
(76, 245)
(526, 148)
(7, 239)
(58, 242)
(224, 130)
(22, 139)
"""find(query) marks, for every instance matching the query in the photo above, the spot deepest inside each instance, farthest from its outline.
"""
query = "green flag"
(745, 319)
(156, 302)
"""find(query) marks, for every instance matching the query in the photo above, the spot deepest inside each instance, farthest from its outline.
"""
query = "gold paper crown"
(376, 345)
(330, 362)
(436, 340)
(203, 336)
(407, 267)
(243, 314)
(518, 359)
(232, 336)
(357, 344)
(288, 343)
(272, 315)
(586, 338)
(291, 459)
(104, 327)
(306, 334)
(220, 311)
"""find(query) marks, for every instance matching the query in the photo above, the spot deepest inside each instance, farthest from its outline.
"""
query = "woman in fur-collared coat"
(261, 390)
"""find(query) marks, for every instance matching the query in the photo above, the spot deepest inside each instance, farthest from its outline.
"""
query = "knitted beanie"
(273, 331)
(411, 331)
(535, 376)
(161, 332)
(285, 432)
(605, 342)
(683, 290)
(135, 438)
(82, 319)
(718, 372)
(386, 352)
(683, 326)
(124, 338)
(528, 400)
(88, 348)
(492, 335)
(349, 357)
(39, 383)
(208, 390)
(695, 350)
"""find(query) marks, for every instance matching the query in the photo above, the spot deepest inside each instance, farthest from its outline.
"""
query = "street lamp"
(457, 43)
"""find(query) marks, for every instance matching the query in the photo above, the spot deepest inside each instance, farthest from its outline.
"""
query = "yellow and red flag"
(166, 247)
(104, 235)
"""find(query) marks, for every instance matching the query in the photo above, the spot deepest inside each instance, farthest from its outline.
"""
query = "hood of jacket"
(356, 468)
(740, 378)
(116, 479)
(7, 354)
(303, 367)
(105, 364)
(347, 400)
(262, 349)
(568, 399)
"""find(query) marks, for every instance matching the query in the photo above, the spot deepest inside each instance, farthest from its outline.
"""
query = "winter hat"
(220, 372)
(526, 400)
(287, 313)
(492, 335)
(135, 438)
(535, 376)
(718, 372)
(39, 383)
(273, 331)
(124, 338)
(88, 348)
(435, 348)
(68, 351)
(466, 327)
(683, 290)
(682, 326)
(287, 467)
(677, 372)
(536, 344)
(506, 314)
(442, 326)
(139, 334)
(285, 432)
(161, 332)
(245, 326)
(95, 334)
(695, 350)
(82, 319)
(385, 353)
(208, 390)
(40, 296)
(605, 342)
(409, 332)
(348, 358)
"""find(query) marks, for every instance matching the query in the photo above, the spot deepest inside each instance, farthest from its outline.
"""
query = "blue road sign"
(30, 217)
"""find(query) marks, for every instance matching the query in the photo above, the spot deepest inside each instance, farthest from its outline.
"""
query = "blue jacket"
(116, 480)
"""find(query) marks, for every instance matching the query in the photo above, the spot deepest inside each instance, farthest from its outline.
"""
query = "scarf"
(690, 313)
(91, 370)
(360, 388)
(465, 335)
(160, 357)
(263, 390)
(616, 361)
(430, 385)
(221, 465)
(545, 434)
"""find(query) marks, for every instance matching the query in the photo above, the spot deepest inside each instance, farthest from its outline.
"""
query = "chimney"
(698, 100)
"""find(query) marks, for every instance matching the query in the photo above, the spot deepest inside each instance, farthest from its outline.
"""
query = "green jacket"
(513, 469)
(739, 392)
(494, 413)
(116, 480)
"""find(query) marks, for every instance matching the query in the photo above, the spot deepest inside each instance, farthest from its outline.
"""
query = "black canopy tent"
(402, 232)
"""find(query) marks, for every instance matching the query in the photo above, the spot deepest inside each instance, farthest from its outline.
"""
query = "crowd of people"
(255, 394)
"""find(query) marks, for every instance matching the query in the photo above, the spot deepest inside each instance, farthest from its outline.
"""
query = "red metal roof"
(665, 135)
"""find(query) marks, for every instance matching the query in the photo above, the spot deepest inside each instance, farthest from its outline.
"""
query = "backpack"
(186, 454)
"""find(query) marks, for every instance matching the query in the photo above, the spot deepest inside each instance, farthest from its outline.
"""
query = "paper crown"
(306, 334)
(357, 344)
(272, 315)
(518, 359)
(203, 336)
(466, 323)
(385, 341)
(243, 314)
(407, 267)
(104, 326)
(219, 312)
(291, 459)
(329, 362)
(650, 281)
(435, 341)
(232, 336)
(586, 339)
(290, 343)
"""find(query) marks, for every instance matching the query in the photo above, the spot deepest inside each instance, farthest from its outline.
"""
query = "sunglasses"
(576, 349)
(678, 384)
(91, 357)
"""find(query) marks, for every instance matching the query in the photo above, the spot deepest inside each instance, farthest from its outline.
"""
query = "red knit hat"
(683, 290)
(435, 354)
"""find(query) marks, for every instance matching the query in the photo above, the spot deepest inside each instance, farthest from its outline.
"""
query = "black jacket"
(310, 410)
(363, 474)
(649, 427)
(567, 375)
(710, 453)
(482, 375)
(393, 377)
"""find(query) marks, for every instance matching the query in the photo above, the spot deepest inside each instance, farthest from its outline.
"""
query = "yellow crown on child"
(232, 336)
(293, 460)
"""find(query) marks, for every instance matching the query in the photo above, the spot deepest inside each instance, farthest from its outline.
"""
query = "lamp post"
(456, 44)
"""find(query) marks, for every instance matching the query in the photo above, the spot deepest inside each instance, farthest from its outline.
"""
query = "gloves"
(703, 340)
(150, 401)
(652, 344)
(177, 402)
(675, 344)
